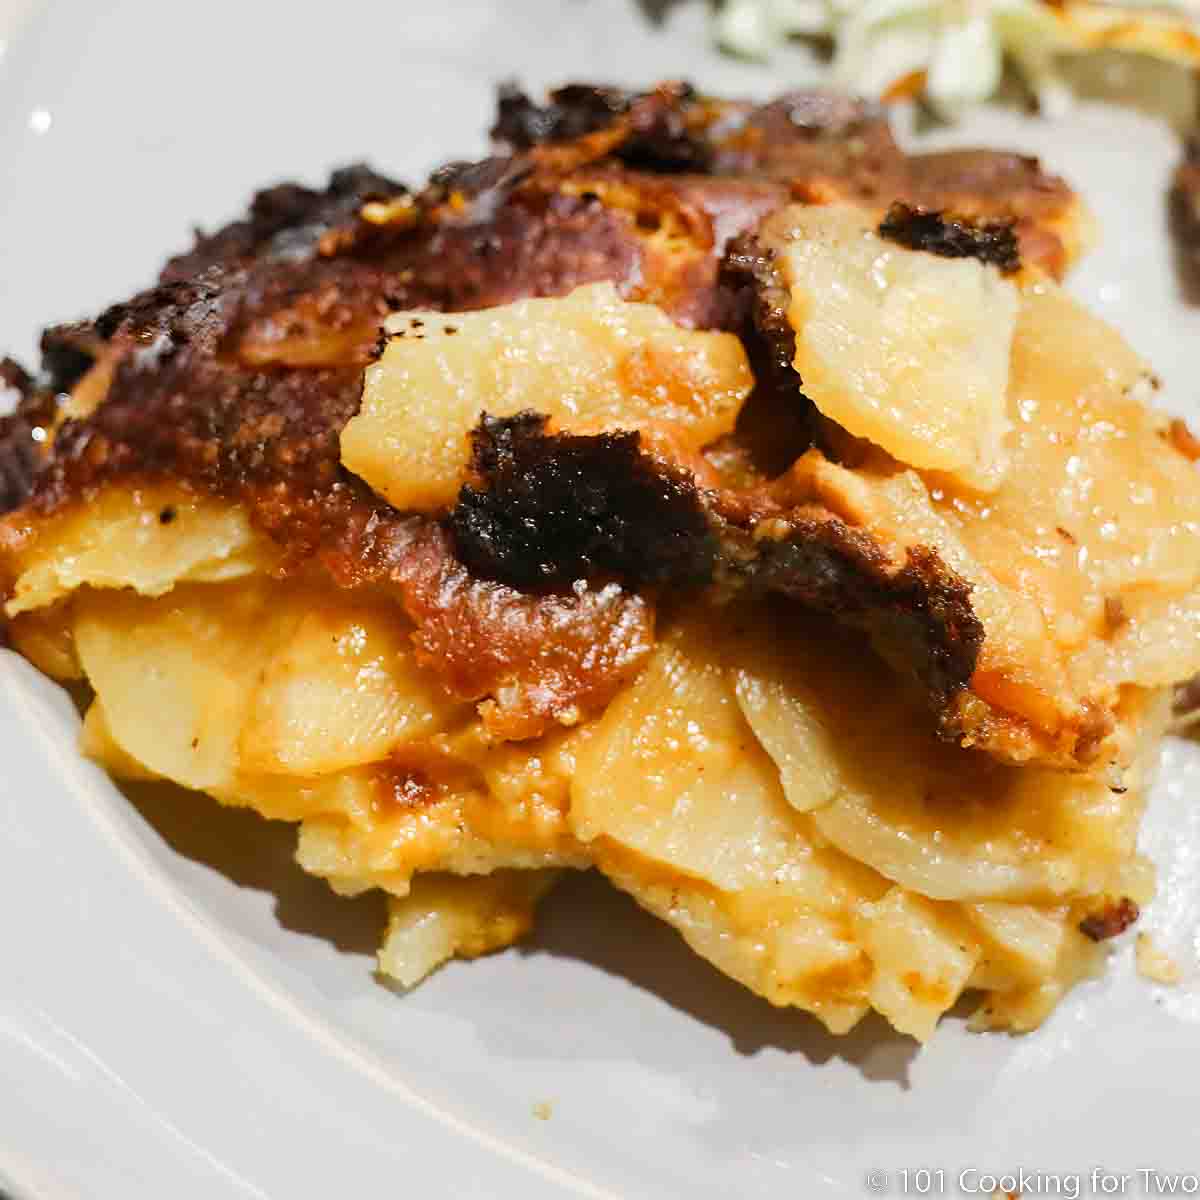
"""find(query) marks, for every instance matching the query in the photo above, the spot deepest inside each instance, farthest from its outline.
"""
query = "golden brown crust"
(950, 236)
(541, 658)
(547, 508)
(273, 315)
(916, 609)
(1110, 921)
(18, 449)
(235, 376)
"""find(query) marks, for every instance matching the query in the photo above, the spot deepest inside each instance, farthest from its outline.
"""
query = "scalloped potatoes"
(766, 784)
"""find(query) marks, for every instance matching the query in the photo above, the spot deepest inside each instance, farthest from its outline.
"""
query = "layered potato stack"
(767, 780)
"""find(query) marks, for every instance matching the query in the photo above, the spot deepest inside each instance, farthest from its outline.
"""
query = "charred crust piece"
(18, 462)
(818, 136)
(286, 222)
(544, 658)
(1183, 440)
(662, 130)
(68, 351)
(19, 449)
(547, 509)
(991, 242)
(1187, 697)
(570, 112)
(550, 509)
(750, 265)
(14, 377)
(993, 184)
(1110, 921)
(778, 423)
(919, 616)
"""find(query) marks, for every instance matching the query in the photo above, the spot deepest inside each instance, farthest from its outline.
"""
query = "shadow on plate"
(258, 854)
(585, 919)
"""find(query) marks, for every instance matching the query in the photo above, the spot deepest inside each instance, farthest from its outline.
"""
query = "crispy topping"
(991, 242)
(1111, 920)
(569, 112)
(22, 434)
(540, 659)
(552, 508)
(236, 375)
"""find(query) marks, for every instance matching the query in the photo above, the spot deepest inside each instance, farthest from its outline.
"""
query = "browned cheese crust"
(949, 236)
(235, 375)
(1110, 921)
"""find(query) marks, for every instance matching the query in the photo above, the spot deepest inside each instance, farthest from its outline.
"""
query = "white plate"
(184, 1014)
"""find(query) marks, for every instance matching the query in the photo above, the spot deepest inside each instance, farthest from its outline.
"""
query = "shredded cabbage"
(954, 50)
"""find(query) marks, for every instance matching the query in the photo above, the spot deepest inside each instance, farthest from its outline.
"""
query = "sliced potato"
(98, 744)
(1154, 963)
(1084, 563)
(787, 714)
(785, 952)
(675, 774)
(400, 828)
(1021, 1009)
(306, 705)
(590, 361)
(177, 675)
(445, 916)
(343, 689)
(680, 807)
(904, 348)
(46, 637)
(923, 955)
(1024, 942)
(911, 870)
(255, 677)
(946, 823)
(147, 539)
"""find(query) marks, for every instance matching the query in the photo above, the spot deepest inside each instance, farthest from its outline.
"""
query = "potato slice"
(904, 348)
(1023, 942)
(679, 806)
(176, 676)
(306, 705)
(784, 952)
(786, 714)
(217, 681)
(923, 956)
(944, 822)
(590, 361)
(913, 871)
(344, 689)
(1084, 564)
(1023, 1008)
(98, 744)
(448, 916)
(675, 774)
(147, 539)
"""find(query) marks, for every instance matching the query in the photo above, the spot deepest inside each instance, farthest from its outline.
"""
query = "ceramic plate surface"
(184, 1014)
